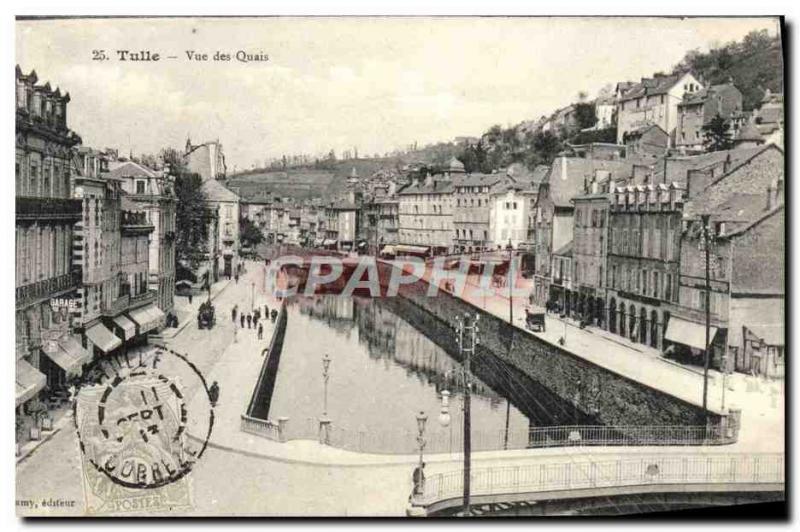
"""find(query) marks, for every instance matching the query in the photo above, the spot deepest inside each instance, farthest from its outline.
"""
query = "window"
(140, 187)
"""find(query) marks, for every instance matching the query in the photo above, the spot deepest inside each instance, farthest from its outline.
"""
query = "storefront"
(412, 251)
(689, 339)
(101, 340)
(147, 318)
(64, 359)
(30, 381)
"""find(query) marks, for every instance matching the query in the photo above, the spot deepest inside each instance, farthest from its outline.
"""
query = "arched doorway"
(622, 321)
(632, 323)
(643, 325)
(654, 329)
(612, 316)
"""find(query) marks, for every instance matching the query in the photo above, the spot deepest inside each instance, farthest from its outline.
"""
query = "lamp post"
(510, 250)
(467, 340)
(706, 361)
(421, 419)
(324, 422)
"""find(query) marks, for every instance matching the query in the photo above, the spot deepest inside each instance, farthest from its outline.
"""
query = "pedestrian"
(249, 320)
(266, 311)
(273, 314)
(233, 314)
(213, 393)
(241, 320)
(260, 331)
(257, 314)
(190, 298)
(237, 278)
(419, 478)
(255, 320)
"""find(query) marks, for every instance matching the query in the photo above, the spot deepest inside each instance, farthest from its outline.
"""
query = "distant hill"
(329, 178)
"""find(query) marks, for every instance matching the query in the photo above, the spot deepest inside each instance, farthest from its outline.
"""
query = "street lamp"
(421, 419)
(325, 422)
(467, 347)
(510, 250)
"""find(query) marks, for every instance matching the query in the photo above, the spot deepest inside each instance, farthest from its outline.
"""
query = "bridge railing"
(593, 435)
(451, 441)
(583, 473)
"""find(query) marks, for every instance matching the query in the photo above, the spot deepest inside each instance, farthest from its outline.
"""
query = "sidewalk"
(187, 312)
(61, 418)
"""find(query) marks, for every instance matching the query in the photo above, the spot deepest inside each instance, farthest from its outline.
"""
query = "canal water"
(384, 371)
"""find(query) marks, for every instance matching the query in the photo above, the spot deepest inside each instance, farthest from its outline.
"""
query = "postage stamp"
(132, 419)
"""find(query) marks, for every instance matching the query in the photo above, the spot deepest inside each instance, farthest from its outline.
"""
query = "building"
(227, 206)
(342, 224)
(153, 193)
(425, 213)
(380, 219)
(649, 141)
(653, 101)
(112, 246)
(769, 118)
(511, 203)
(589, 252)
(206, 159)
(561, 280)
(698, 108)
(471, 217)
(746, 261)
(46, 280)
(643, 247)
(553, 215)
(605, 112)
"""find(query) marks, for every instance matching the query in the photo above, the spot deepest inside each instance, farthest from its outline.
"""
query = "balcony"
(141, 299)
(47, 288)
(135, 223)
(32, 208)
(117, 307)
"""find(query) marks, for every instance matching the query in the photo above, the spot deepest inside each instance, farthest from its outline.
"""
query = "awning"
(688, 333)
(318, 241)
(147, 318)
(388, 250)
(227, 252)
(127, 327)
(769, 334)
(29, 381)
(69, 355)
(362, 244)
(411, 249)
(329, 242)
(104, 339)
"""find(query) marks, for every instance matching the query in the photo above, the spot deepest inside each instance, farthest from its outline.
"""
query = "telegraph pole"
(705, 218)
(467, 341)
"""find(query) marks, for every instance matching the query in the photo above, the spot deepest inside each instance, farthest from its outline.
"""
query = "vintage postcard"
(399, 266)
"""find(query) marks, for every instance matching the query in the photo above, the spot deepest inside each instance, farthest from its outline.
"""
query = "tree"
(191, 235)
(249, 233)
(585, 115)
(717, 135)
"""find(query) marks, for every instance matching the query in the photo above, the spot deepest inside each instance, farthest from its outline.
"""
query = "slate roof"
(438, 186)
(564, 185)
(651, 86)
(131, 169)
(216, 191)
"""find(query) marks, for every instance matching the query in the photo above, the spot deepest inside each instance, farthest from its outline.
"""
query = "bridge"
(574, 477)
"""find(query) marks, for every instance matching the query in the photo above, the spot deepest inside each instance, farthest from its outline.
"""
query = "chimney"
(428, 179)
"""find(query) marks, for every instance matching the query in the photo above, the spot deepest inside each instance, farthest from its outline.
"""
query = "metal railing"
(46, 287)
(451, 441)
(584, 473)
(590, 435)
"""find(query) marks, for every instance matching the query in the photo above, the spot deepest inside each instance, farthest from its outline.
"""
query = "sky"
(376, 84)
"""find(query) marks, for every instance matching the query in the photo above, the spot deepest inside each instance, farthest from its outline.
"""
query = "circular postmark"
(133, 413)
